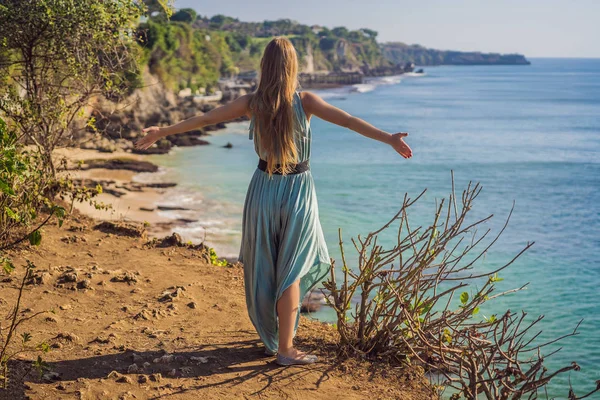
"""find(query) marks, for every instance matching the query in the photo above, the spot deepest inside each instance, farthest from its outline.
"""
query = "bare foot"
(292, 353)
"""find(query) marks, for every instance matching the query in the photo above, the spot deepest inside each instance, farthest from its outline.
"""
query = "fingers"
(403, 134)
(146, 141)
(406, 152)
(142, 144)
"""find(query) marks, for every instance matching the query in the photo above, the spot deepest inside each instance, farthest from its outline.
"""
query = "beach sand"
(126, 207)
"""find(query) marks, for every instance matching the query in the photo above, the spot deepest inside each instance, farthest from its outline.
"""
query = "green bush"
(23, 186)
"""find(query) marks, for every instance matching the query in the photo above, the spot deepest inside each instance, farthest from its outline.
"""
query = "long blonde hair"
(272, 105)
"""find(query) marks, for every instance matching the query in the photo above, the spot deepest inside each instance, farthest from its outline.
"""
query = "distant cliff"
(397, 53)
(193, 51)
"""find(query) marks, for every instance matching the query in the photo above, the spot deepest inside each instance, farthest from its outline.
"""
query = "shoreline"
(131, 199)
(141, 202)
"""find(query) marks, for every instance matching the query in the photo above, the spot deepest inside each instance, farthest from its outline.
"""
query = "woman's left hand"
(397, 142)
(152, 135)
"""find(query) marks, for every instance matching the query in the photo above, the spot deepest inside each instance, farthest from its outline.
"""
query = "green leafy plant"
(23, 189)
(214, 259)
(9, 349)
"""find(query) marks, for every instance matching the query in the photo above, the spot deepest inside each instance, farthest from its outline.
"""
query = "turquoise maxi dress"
(282, 239)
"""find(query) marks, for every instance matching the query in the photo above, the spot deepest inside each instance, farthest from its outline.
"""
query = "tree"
(371, 34)
(159, 8)
(340, 31)
(56, 55)
(184, 15)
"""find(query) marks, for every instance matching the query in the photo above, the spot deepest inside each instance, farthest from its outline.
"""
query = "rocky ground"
(129, 318)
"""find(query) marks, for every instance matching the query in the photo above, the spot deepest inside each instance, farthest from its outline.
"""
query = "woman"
(283, 249)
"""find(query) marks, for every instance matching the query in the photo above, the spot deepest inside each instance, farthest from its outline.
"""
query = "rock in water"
(312, 302)
(228, 145)
(132, 369)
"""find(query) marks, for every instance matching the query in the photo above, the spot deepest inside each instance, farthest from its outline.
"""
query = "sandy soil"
(133, 322)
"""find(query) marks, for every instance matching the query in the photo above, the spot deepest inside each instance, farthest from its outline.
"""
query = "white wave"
(388, 80)
(336, 93)
(415, 74)
(363, 87)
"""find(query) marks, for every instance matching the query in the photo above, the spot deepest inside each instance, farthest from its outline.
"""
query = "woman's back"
(303, 134)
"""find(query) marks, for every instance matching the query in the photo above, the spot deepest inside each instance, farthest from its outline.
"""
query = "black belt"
(296, 168)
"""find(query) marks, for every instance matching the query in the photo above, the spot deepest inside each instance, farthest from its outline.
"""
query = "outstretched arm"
(315, 105)
(229, 111)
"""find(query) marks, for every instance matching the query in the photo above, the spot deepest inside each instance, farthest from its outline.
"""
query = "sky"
(535, 28)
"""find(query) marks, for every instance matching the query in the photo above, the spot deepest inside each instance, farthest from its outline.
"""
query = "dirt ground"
(126, 321)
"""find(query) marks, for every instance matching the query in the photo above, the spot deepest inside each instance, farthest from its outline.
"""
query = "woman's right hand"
(397, 142)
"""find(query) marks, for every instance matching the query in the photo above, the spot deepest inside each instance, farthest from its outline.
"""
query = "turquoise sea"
(528, 134)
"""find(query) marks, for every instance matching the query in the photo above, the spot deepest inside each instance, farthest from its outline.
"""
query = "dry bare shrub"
(401, 304)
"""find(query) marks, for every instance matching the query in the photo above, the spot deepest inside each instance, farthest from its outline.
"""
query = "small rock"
(192, 305)
(167, 358)
(228, 145)
(142, 379)
(127, 395)
(68, 277)
(146, 364)
(38, 278)
(101, 340)
(122, 228)
(144, 314)
(66, 307)
(51, 318)
(175, 239)
(169, 296)
(61, 386)
(69, 337)
(113, 374)
(156, 377)
(132, 368)
(201, 360)
(124, 379)
(84, 284)
(126, 277)
(312, 302)
(137, 358)
(51, 376)
(172, 373)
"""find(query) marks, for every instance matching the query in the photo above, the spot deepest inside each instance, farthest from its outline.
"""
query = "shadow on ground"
(223, 364)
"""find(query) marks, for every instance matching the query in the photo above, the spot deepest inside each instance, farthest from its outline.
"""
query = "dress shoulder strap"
(299, 110)
(251, 128)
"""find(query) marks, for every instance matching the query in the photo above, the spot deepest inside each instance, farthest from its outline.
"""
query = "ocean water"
(528, 134)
